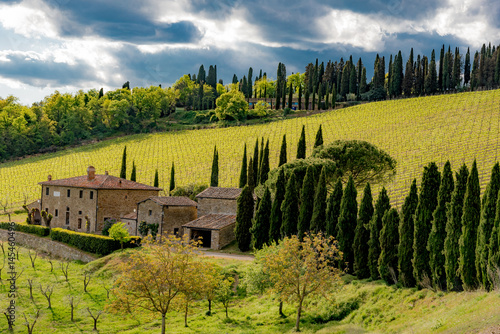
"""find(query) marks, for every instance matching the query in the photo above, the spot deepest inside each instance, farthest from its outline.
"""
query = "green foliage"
(319, 137)
(119, 233)
(318, 219)
(133, 174)
(41, 231)
(276, 214)
(260, 109)
(454, 230)
(107, 225)
(494, 250)
(214, 177)
(123, 170)
(172, 178)
(389, 239)
(301, 146)
(264, 165)
(362, 234)
(290, 209)
(486, 224)
(359, 159)
(143, 228)
(282, 159)
(381, 206)
(251, 176)
(156, 181)
(347, 224)
(406, 230)
(231, 105)
(260, 227)
(427, 203)
(91, 243)
(435, 244)
(255, 163)
(244, 217)
(244, 168)
(191, 190)
(154, 229)
(306, 204)
(333, 209)
(470, 220)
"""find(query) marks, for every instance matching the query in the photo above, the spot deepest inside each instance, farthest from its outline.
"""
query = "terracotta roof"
(132, 216)
(221, 193)
(172, 200)
(99, 182)
(212, 222)
(34, 205)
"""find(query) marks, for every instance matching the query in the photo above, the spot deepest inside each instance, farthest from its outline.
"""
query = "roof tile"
(221, 193)
(212, 222)
(99, 182)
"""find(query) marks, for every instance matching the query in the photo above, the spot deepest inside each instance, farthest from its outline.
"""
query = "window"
(67, 216)
(57, 213)
(79, 212)
(176, 231)
(47, 210)
(79, 223)
(47, 191)
(91, 195)
(81, 193)
(150, 212)
(69, 192)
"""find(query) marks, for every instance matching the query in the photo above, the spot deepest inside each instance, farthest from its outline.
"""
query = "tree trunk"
(299, 311)
(95, 324)
(281, 310)
(209, 307)
(163, 323)
(226, 313)
(186, 315)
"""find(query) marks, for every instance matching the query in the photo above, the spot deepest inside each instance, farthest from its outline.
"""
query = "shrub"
(41, 231)
(191, 190)
(107, 225)
(91, 243)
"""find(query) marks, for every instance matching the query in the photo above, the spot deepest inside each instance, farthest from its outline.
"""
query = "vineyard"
(455, 127)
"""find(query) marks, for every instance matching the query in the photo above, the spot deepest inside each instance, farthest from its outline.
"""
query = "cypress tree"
(290, 95)
(494, 250)
(318, 220)
(214, 177)
(244, 168)
(454, 230)
(467, 68)
(300, 98)
(362, 234)
(256, 161)
(488, 212)
(319, 137)
(156, 181)
(427, 203)
(333, 209)
(301, 147)
(244, 217)
(405, 248)
(250, 176)
(123, 171)
(264, 167)
(470, 221)
(347, 224)
(307, 203)
(389, 240)
(276, 214)
(283, 152)
(261, 158)
(381, 206)
(435, 243)
(172, 178)
(133, 173)
(260, 228)
(289, 209)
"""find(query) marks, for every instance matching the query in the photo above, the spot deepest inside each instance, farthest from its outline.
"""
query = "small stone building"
(169, 212)
(94, 197)
(216, 230)
(218, 200)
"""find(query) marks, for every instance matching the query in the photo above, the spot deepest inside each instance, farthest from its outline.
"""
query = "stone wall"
(54, 248)
(216, 205)
(176, 216)
(226, 235)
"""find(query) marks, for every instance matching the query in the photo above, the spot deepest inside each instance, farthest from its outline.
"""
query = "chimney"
(49, 178)
(106, 173)
(90, 173)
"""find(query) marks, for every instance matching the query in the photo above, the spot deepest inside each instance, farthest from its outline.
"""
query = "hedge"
(41, 231)
(91, 243)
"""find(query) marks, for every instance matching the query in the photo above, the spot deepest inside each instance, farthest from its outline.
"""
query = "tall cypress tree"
(156, 181)
(290, 209)
(494, 250)
(172, 178)
(454, 230)
(347, 224)
(264, 166)
(260, 228)
(435, 243)
(307, 203)
(123, 171)
(244, 168)
(133, 174)
(427, 203)
(251, 176)
(319, 137)
(467, 68)
(301, 147)
(256, 161)
(470, 220)
(318, 220)
(389, 240)
(405, 248)
(381, 206)
(362, 234)
(244, 217)
(214, 177)
(333, 209)
(283, 152)
(488, 212)
(276, 214)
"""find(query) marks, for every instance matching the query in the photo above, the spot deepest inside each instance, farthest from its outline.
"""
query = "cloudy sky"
(82, 44)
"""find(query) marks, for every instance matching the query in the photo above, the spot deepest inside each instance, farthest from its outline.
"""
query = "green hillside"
(458, 127)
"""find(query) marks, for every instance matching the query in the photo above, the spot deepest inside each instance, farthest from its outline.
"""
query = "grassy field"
(458, 127)
(356, 306)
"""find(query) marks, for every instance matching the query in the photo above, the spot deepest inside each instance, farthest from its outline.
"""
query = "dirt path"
(227, 256)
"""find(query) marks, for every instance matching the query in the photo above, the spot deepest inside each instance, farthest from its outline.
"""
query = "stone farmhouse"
(84, 203)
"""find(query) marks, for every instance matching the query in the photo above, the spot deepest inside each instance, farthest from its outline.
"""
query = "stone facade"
(216, 205)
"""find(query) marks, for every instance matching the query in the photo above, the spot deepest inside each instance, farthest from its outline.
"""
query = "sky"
(68, 45)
